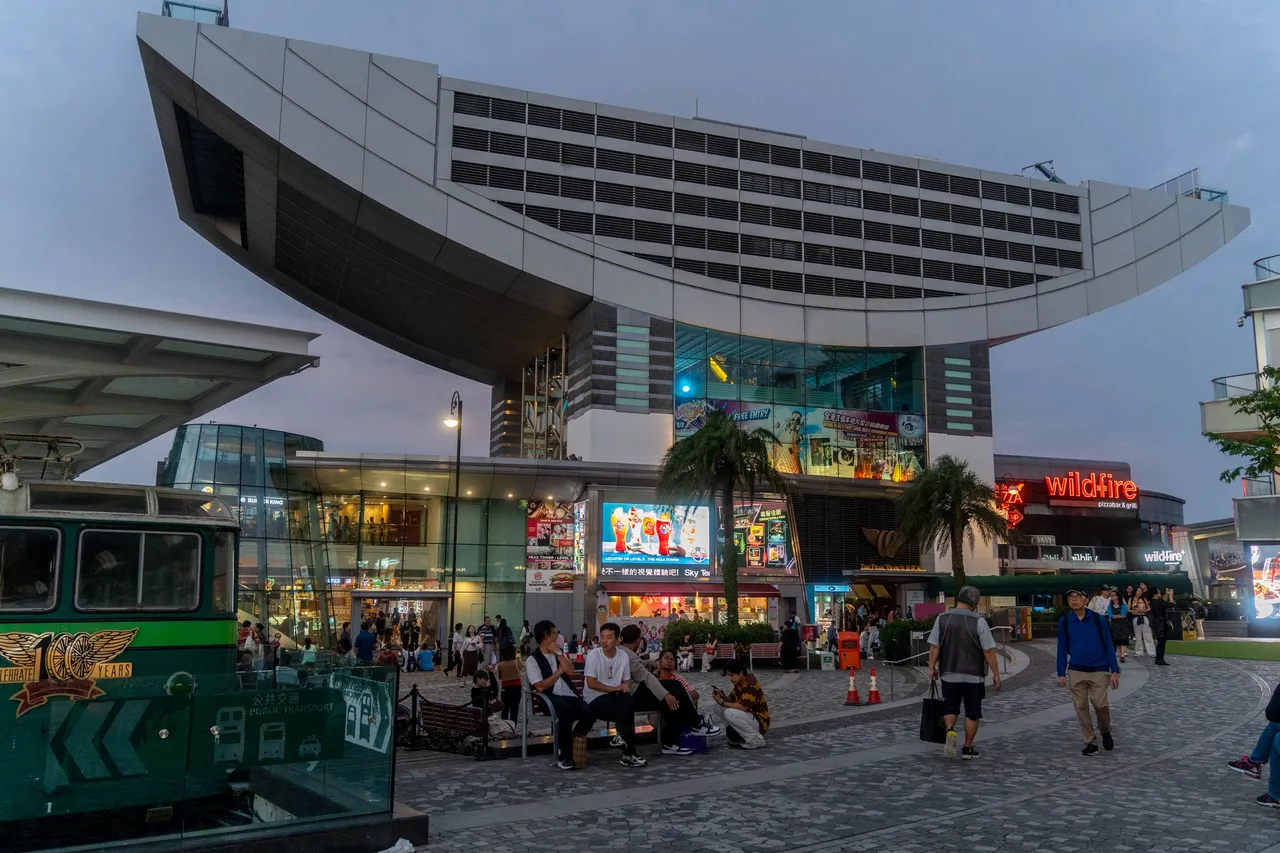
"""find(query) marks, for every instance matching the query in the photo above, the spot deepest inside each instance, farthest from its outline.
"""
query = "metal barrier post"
(416, 718)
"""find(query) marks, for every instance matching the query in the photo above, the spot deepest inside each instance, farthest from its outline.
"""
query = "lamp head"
(451, 422)
(9, 481)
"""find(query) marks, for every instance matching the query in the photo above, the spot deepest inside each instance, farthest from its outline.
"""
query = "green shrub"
(895, 638)
(700, 629)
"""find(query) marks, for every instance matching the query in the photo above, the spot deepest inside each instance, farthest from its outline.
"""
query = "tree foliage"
(1260, 452)
(718, 461)
(945, 506)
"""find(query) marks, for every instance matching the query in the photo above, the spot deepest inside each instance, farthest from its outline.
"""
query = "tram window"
(121, 570)
(57, 497)
(28, 568)
(224, 571)
(192, 507)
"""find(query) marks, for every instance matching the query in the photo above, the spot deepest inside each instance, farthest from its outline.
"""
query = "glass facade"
(836, 411)
(282, 578)
(390, 541)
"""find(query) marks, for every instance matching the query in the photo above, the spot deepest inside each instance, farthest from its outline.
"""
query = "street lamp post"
(455, 421)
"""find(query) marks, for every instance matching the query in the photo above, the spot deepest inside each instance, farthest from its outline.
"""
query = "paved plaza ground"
(833, 781)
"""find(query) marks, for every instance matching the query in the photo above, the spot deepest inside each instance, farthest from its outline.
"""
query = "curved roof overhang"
(112, 377)
(346, 205)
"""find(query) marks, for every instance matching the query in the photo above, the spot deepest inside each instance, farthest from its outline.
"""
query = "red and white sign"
(1099, 487)
(1010, 495)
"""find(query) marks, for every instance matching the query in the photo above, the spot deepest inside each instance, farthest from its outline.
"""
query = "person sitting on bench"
(551, 674)
(649, 693)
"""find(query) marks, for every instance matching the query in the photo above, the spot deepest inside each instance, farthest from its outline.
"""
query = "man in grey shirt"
(962, 649)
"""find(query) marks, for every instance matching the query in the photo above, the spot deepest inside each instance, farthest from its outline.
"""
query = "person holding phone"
(745, 709)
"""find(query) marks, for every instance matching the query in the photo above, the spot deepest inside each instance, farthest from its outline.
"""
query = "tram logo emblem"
(50, 665)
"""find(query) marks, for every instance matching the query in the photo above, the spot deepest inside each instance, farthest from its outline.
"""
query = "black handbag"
(933, 728)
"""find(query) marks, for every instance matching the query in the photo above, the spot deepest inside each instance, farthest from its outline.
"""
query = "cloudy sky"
(1133, 93)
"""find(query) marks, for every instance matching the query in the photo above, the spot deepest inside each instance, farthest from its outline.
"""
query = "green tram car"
(117, 608)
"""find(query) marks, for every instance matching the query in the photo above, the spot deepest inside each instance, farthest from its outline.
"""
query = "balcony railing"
(1188, 184)
(198, 12)
(1265, 268)
(1225, 387)
(1258, 488)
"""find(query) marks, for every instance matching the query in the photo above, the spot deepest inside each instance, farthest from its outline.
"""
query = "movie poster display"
(859, 445)
(549, 548)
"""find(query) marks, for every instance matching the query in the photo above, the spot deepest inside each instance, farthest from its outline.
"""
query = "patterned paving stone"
(868, 784)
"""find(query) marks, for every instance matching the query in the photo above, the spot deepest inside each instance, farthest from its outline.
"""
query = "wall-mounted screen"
(653, 535)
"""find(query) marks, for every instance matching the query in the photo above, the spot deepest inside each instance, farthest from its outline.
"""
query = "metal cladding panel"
(532, 207)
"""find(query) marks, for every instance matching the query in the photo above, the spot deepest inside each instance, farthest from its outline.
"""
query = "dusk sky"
(1131, 93)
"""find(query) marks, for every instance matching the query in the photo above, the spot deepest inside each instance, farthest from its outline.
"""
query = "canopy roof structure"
(111, 377)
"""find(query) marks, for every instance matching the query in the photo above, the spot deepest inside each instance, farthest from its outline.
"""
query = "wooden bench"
(771, 651)
(538, 704)
(724, 651)
(447, 727)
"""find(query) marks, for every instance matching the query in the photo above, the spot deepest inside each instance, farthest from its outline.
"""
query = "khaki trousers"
(1089, 687)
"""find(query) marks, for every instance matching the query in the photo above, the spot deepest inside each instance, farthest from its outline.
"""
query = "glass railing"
(1265, 268)
(239, 755)
(1254, 488)
(197, 12)
(1188, 184)
(1239, 385)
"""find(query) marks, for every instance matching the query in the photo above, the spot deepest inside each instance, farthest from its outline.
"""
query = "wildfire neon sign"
(1094, 486)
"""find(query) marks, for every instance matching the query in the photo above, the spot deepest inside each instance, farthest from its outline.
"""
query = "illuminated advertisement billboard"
(549, 549)
(1264, 561)
(762, 535)
(829, 442)
(652, 535)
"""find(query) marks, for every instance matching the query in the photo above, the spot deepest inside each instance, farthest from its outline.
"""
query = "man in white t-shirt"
(608, 691)
(550, 673)
(1100, 602)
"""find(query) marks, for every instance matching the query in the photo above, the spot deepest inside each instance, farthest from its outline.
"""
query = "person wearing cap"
(1086, 663)
(961, 648)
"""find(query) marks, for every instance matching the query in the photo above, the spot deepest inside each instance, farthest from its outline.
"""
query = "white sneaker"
(565, 765)
(676, 749)
(632, 761)
(949, 748)
(617, 741)
(752, 744)
(706, 729)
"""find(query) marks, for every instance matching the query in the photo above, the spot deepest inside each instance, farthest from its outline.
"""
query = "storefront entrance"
(428, 609)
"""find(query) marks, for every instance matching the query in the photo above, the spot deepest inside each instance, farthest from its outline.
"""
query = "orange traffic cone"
(873, 695)
(580, 659)
(852, 697)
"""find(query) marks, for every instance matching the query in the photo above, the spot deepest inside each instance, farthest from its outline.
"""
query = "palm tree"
(944, 506)
(717, 461)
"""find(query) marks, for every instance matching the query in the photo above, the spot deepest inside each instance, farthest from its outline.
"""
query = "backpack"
(1097, 621)
(544, 667)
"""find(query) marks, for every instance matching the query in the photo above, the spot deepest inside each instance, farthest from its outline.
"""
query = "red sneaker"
(1247, 767)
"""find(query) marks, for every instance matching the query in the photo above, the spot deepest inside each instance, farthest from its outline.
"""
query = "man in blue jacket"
(1267, 751)
(1086, 662)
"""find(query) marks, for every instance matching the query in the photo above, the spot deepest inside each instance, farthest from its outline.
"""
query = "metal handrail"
(1236, 385)
(1003, 648)
(1267, 267)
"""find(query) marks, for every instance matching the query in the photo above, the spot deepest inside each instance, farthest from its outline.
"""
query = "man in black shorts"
(961, 648)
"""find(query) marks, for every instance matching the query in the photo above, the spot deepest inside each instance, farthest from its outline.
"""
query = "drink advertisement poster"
(1264, 561)
(762, 535)
(647, 534)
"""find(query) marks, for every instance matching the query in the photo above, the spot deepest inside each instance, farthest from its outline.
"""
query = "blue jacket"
(1087, 642)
